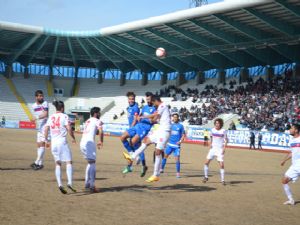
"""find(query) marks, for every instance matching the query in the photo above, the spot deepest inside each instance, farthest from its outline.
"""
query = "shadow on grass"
(145, 188)
(13, 169)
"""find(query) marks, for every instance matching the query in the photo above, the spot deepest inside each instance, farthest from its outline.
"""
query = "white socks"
(205, 170)
(58, 175)
(69, 171)
(139, 151)
(288, 192)
(222, 173)
(87, 175)
(157, 165)
(40, 156)
(92, 174)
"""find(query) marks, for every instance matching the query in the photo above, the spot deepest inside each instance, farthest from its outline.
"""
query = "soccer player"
(59, 128)
(40, 108)
(174, 144)
(137, 132)
(132, 111)
(217, 148)
(88, 146)
(293, 172)
(159, 136)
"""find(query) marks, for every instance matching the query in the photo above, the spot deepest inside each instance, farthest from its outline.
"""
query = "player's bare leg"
(206, 165)
(287, 191)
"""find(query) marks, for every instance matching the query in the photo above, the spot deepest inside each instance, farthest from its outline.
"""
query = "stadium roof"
(222, 35)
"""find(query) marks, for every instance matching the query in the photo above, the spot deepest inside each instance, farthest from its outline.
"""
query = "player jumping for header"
(158, 137)
(138, 129)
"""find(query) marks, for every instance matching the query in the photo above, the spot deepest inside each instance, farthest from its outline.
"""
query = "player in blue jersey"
(174, 144)
(138, 129)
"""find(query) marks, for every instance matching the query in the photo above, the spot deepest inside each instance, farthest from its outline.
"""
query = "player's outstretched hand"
(100, 144)
(74, 141)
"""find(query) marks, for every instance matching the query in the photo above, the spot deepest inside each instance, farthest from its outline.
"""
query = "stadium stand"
(214, 38)
(9, 105)
(90, 88)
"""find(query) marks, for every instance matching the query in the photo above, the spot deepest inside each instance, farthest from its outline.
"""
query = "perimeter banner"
(195, 134)
(270, 140)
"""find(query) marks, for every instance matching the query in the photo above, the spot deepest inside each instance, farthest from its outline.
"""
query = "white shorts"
(215, 153)
(40, 137)
(293, 173)
(88, 150)
(160, 138)
(61, 151)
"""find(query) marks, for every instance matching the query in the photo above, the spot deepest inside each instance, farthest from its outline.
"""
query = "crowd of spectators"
(269, 105)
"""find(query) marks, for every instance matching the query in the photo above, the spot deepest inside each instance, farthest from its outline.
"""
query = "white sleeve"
(99, 124)
(66, 120)
(160, 109)
(45, 106)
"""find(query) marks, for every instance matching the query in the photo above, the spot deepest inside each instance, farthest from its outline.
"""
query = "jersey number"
(55, 122)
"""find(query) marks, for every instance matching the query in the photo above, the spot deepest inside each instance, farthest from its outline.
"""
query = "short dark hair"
(156, 98)
(95, 110)
(148, 94)
(221, 121)
(297, 126)
(175, 114)
(38, 92)
(59, 105)
(130, 93)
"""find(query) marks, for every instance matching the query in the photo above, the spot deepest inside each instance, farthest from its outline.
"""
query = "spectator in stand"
(252, 140)
(259, 141)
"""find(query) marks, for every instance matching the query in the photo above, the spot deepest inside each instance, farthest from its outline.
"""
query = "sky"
(85, 15)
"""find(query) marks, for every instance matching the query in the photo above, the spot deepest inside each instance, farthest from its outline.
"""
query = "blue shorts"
(140, 129)
(175, 150)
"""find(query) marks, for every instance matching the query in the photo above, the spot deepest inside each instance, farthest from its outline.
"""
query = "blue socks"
(178, 166)
(163, 164)
(127, 146)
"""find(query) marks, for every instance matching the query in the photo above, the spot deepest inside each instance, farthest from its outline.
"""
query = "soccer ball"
(161, 53)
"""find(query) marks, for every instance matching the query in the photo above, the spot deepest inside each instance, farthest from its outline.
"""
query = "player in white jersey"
(40, 108)
(218, 143)
(158, 137)
(293, 173)
(88, 146)
(59, 126)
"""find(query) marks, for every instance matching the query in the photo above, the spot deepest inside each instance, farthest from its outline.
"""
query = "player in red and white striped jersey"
(40, 108)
